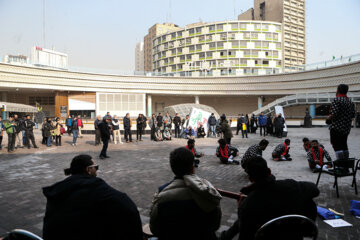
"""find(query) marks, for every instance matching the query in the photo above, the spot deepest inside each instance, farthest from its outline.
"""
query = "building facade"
(42, 57)
(16, 59)
(231, 48)
(291, 13)
(153, 32)
(139, 57)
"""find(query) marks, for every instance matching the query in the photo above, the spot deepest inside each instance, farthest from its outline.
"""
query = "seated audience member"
(226, 153)
(281, 151)
(191, 147)
(307, 144)
(167, 134)
(253, 151)
(201, 132)
(283, 197)
(189, 133)
(188, 207)
(158, 135)
(316, 156)
(84, 206)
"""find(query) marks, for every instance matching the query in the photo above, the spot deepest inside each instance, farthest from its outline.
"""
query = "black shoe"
(236, 162)
(196, 165)
(107, 156)
(101, 157)
(36, 147)
(289, 159)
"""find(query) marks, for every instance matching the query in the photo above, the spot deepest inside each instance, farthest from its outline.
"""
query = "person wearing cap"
(226, 153)
(84, 206)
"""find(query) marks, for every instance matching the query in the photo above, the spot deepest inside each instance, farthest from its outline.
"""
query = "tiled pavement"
(139, 168)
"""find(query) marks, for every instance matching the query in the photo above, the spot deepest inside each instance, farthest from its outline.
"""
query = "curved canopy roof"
(185, 109)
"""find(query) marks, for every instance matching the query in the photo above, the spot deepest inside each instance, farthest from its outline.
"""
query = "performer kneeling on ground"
(201, 132)
(191, 147)
(316, 155)
(281, 151)
(226, 153)
(307, 144)
(167, 134)
(158, 135)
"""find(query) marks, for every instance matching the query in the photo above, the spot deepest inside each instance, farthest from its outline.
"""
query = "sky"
(102, 34)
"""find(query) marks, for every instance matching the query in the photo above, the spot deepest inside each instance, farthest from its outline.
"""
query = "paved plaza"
(138, 168)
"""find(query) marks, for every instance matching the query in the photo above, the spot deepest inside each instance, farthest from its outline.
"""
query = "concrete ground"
(138, 168)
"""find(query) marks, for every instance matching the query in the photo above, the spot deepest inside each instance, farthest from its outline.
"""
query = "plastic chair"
(287, 227)
(357, 167)
(341, 168)
(20, 234)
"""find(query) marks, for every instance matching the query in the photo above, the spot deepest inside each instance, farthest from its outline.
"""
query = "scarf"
(321, 155)
(284, 153)
(192, 150)
(224, 153)
(341, 95)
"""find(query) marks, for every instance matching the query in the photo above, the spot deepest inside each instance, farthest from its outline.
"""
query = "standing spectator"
(159, 120)
(281, 151)
(238, 124)
(68, 124)
(184, 125)
(254, 124)
(139, 127)
(152, 125)
(38, 118)
(269, 125)
(29, 125)
(58, 133)
(279, 123)
(48, 127)
(108, 115)
(18, 130)
(201, 131)
(342, 112)
(105, 136)
(262, 123)
(144, 124)
(177, 122)
(75, 130)
(267, 198)
(188, 207)
(225, 128)
(168, 120)
(83, 206)
(127, 128)
(11, 132)
(44, 139)
(1, 132)
(226, 153)
(97, 130)
(243, 124)
(80, 125)
(212, 124)
(247, 123)
(254, 151)
(115, 123)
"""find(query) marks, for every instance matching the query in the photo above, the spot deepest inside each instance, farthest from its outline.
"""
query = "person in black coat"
(105, 136)
(127, 127)
(84, 206)
(283, 197)
(177, 123)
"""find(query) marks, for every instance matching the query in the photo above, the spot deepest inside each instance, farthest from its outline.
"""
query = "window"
(268, 35)
(198, 30)
(173, 35)
(192, 48)
(242, 26)
(209, 37)
(209, 54)
(179, 34)
(266, 62)
(255, 53)
(265, 44)
(163, 38)
(223, 36)
(219, 27)
(212, 46)
(173, 51)
(202, 38)
(276, 36)
(188, 57)
(171, 44)
(243, 44)
(220, 45)
(166, 45)
(231, 36)
(41, 100)
(247, 53)
(188, 41)
(257, 26)
(235, 44)
(198, 47)
(182, 58)
(202, 55)
(212, 28)
(254, 35)
(191, 31)
(257, 44)
(247, 35)
(182, 42)
(234, 26)
(243, 61)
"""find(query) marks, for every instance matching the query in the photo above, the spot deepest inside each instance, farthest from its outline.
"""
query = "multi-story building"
(155, 31)
(291, 13)
(42, 57)
(139, 57)
(220, 48)
(16, 59)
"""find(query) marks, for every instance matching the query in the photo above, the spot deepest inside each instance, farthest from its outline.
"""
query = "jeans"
(11, 141)
(30, 136)
(212, 128)
(177, 131)
(48, 141)
(138, 133)
(105, 146)
(19, 139)
(128, 135)
(97, 136)
(244, 133)
(75, 135)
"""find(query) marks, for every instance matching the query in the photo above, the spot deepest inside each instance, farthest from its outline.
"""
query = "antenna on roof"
(169, 11)
(234, 8)
(44, 23)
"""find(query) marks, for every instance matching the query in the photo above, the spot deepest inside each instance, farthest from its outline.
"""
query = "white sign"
(279, 109)
(198, 116)
(338, 223)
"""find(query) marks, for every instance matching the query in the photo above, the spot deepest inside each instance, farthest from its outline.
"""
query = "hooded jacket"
(187, 208)
(86, 207)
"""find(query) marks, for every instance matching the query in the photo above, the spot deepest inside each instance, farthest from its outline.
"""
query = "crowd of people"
(186, 207)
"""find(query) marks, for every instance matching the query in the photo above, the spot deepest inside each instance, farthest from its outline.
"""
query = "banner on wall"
(198, 116)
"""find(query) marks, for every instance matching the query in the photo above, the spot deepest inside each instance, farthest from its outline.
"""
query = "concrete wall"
(248, 15)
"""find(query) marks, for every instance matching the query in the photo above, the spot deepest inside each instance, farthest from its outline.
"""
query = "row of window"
(296, 4)
(41, 100)
(225, 72)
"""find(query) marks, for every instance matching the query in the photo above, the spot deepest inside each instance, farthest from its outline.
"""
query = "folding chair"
(341, 168)
(357, 167)
(294, 227)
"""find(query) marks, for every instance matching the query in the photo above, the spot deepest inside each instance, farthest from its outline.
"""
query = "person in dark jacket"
(127, 128)
(144, 124)
(47, 127)
(139, 127)
(44, 139)
(75, 130)
(153, 126)
(105, 136)
(254, 123)
(243, 125)
(177, 123)
(269, 125)
(191, 146)
(84, 206)
(29, 125)
(279, 123)
(201, 131)
(262, 120)
(159, 120)
(212, 124)
(226, 129)
(226, 153)
(281, 151)
(68, 124)
(283, 197)
(238, 124)
(97, 130)
(19, 127)
(188, 207)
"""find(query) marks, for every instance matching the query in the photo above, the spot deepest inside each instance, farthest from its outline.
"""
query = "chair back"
(20, 234)
(287, 227)
(345, 164)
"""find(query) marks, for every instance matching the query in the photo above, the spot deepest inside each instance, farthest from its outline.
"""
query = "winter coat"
(212, 121)
(57, 129)
(86, 207)
(186, 208)
(47, 128)
(225, 128)
(262, 120)
(104, 130)
(152, 122)
(127, 123)
(177, 121)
